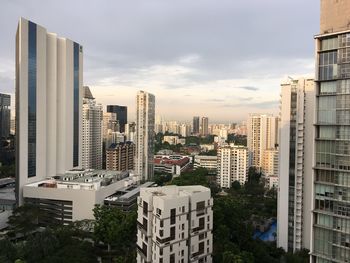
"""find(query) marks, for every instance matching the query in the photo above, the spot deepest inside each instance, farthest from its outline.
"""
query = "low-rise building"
(207, 162)
(175, 224)
(120, 156)
(174, 139)
(73, 196)
(171, 164)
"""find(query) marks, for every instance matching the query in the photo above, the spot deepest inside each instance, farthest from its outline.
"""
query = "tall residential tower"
(48, 104)
(145, 118)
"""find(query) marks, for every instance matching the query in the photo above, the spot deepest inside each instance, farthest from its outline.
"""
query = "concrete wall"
(334, 16)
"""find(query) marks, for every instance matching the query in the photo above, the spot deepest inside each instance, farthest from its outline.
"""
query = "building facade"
(331, 186)
(205, 126)
(175, 224)
(232, 165)
(195, 126)
(92, 132)
(122, 115)
(206, 161)
(145, 114)
(48, 104)
(262, 135)
(270, 162)
(120, 156)
(295, 164)
(5, 115)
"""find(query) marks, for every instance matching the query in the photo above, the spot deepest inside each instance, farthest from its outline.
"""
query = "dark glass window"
(31, 99)
(172, 216)
(76, 106)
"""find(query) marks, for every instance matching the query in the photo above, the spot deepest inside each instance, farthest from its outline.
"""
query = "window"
(145, 208)
(329, 43)
(161, 223)
(172, 216)
(172, 258)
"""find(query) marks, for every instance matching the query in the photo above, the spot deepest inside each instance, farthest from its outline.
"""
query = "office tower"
(204, 126)
(130, 131)
(145, 113)
(109, 124)
(195, 125)
(270, 162)
(122, 115)
(114, 137)
(295, 164)
(331, 187)
(262, 135)
(120, 156)
(232, 165)
(175, 224)
(48, 104)
(92, 132)
(5, 115)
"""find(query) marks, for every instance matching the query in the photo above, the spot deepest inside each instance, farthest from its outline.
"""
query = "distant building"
(130, 132)
(175, 224)
(174, 140)
(120, 156)
(73, 195)
(232, 165)
(270, 162)
(92, 132)
(207, 162)
(122, 115)
(172, 164)
(5, 115)
(262, 135)
(145, 114)
(195, 126)
(185, 130)
(205, 126)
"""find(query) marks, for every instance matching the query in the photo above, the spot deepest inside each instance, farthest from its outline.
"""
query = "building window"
(76, 106)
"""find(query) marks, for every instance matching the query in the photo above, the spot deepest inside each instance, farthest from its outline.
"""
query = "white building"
(185, 130)
(232, 165)
(92, 132)
(175, 224)
(73, 195)
(130, 131)
(171, 139)
(270, 162)
(48, 104)
(295, 164)
(207, 162)
(262, 135)
(145, 112)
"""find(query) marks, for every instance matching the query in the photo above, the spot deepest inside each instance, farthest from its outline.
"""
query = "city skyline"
(224, 77)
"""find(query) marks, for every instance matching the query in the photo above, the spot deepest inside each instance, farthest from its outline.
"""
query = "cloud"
(248, 88)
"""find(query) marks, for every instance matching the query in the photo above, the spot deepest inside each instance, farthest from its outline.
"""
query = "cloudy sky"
(215, 58)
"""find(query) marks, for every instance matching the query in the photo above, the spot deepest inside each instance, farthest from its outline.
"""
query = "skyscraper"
(295, 164)
(331, 188)
(195, 127)
(48, 104)
(5, 115)
(122, 115)
(145, 117)
(205, 126)
(92, 132)
(262, 135)
(232, 165)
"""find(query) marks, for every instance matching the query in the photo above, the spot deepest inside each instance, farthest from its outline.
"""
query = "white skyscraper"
(92, 132)
(262, 135)
(145, 117)
(295, 164)
(48, 104)
(232, 165)
(175, 224)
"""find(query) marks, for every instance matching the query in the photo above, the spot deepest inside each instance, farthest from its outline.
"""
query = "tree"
(115, 228)
(24, 220)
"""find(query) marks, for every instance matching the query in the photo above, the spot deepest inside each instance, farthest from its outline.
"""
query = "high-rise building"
(5, 115)
(175, 224)
(331, 186)
(109, 124)
(295, 164)
(120, 156)
(205, 126)
(92, 132)
(145, 114)
(270, 162)
(122, 115)
(195, 126)
(262, 135)
(48, 104)
(130, 131)
(232, 165)
(185, 130)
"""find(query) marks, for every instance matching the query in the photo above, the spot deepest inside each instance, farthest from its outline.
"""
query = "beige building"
(270, 162)
(174, 224)
(120, 156)
(262, 135)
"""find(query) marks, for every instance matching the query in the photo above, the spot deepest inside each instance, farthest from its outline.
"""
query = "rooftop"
(171, 160)
(174, 191)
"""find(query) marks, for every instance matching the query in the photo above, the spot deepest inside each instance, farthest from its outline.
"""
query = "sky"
(217, 58)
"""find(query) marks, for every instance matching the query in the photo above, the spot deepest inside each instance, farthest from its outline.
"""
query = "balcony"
(143, 252)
